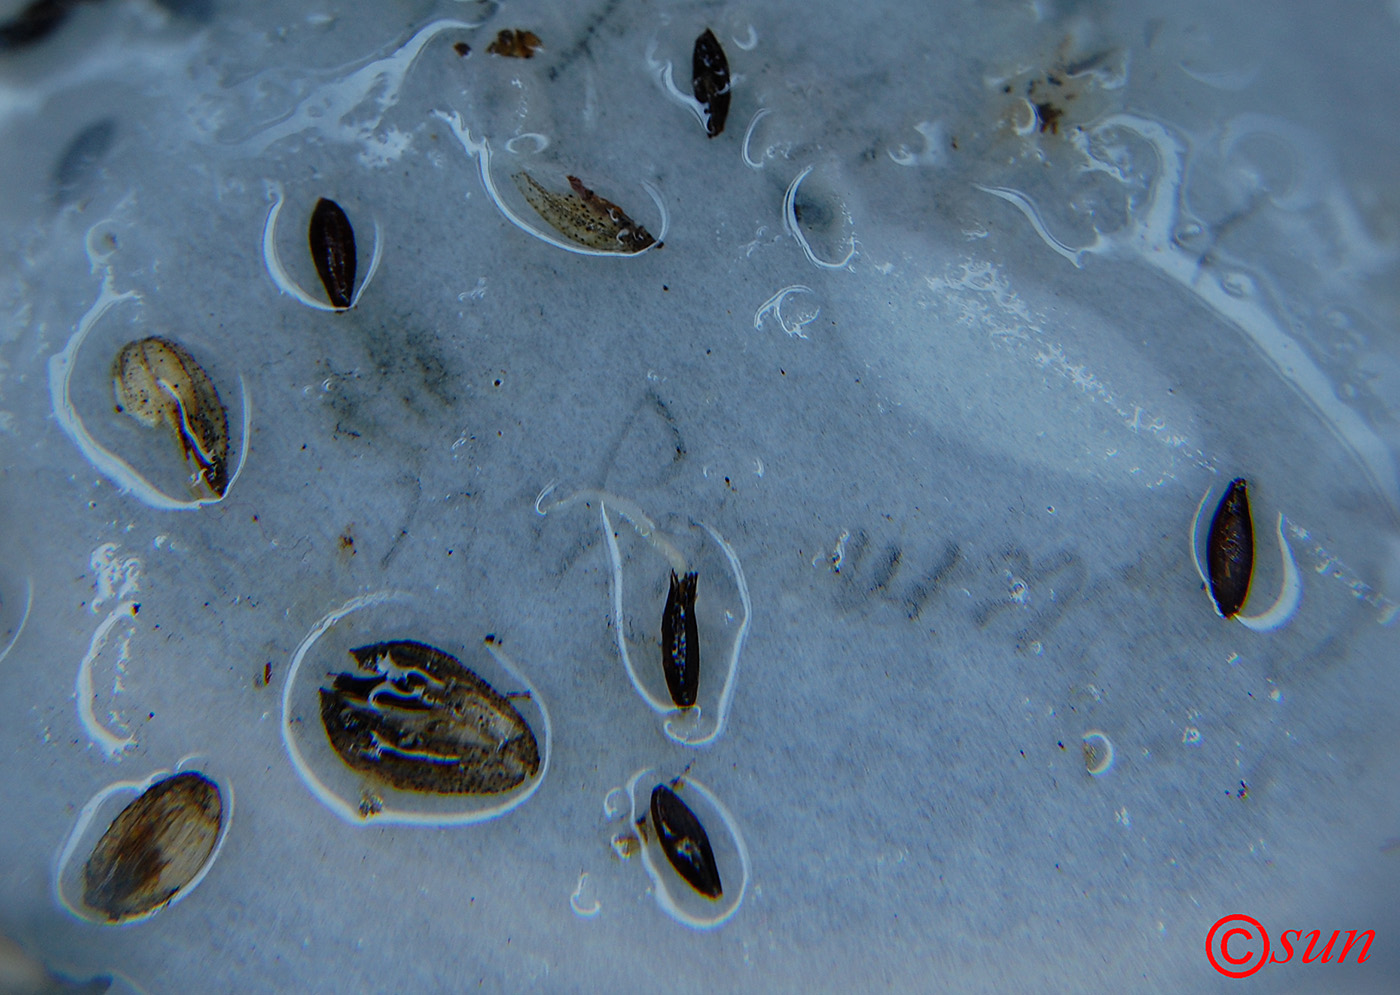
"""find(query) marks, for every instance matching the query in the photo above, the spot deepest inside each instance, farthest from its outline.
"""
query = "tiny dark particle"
(462, 49)
(1230, 550)
(710, 81)
(680, 641)
(1049, 116)
(333, 251)
(684, 842)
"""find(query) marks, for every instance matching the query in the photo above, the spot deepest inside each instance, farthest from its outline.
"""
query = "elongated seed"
(1230, 549)
(333, 251)
(684, 842)
(584, 217)
(157, 381)
(680, 641)
(710, 81)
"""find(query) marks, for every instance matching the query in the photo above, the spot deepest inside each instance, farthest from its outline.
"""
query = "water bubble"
(1098, 753)
(1237, 284)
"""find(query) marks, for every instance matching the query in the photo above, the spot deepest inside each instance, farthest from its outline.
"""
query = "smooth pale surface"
(998, 425)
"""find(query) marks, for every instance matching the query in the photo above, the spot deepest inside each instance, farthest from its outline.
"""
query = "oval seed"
(680, 641)
(155, 381)
(684, 841)
(584, 217)
(417, 718)
(1230, 549)
(154, 848)
(710, 81)
(333, 251)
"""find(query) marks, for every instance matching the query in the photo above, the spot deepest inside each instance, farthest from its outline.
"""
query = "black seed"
(710, 81)
(1230, 550)
(333, 251)
(680, 641)
(427, 724)
(684, 840)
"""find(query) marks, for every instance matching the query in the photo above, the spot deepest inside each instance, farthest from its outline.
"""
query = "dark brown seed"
(417, 718)
(684, 841)
(680, 642)
(710, 80)
(333, 251)
(515, 44)
(154, 847)
(1230, 550)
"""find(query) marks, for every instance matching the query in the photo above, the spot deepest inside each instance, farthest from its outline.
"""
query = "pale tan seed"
(584, 217)
(157, 382)
(154, 847)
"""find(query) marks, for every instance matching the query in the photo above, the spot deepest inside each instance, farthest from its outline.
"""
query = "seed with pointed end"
(680, 641)
(156, 381)
(415, 717)
(584, 217)
(710, 81)
(333, 251)
(684, 841)
(1230, 550)
(154, 847)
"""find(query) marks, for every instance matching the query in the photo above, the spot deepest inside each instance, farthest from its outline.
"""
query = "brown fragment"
(462, 49)
(515, 44)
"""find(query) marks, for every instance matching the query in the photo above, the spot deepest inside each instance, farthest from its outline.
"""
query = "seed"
(418, 719)
(684, 841)
(584, 217)
(333, 251)
(154, 847)
(680, 642)
(710, 81)
(1230, 550)
(515, 44)
(155, 381)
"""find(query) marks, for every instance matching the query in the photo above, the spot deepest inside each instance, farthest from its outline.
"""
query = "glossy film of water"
(929, 338)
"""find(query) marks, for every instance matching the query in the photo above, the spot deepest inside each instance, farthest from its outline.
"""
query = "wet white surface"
(946, 373)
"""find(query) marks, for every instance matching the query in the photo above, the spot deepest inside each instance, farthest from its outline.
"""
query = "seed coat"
(417, 718)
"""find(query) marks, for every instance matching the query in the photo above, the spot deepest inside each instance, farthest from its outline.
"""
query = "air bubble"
(1098, 753)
